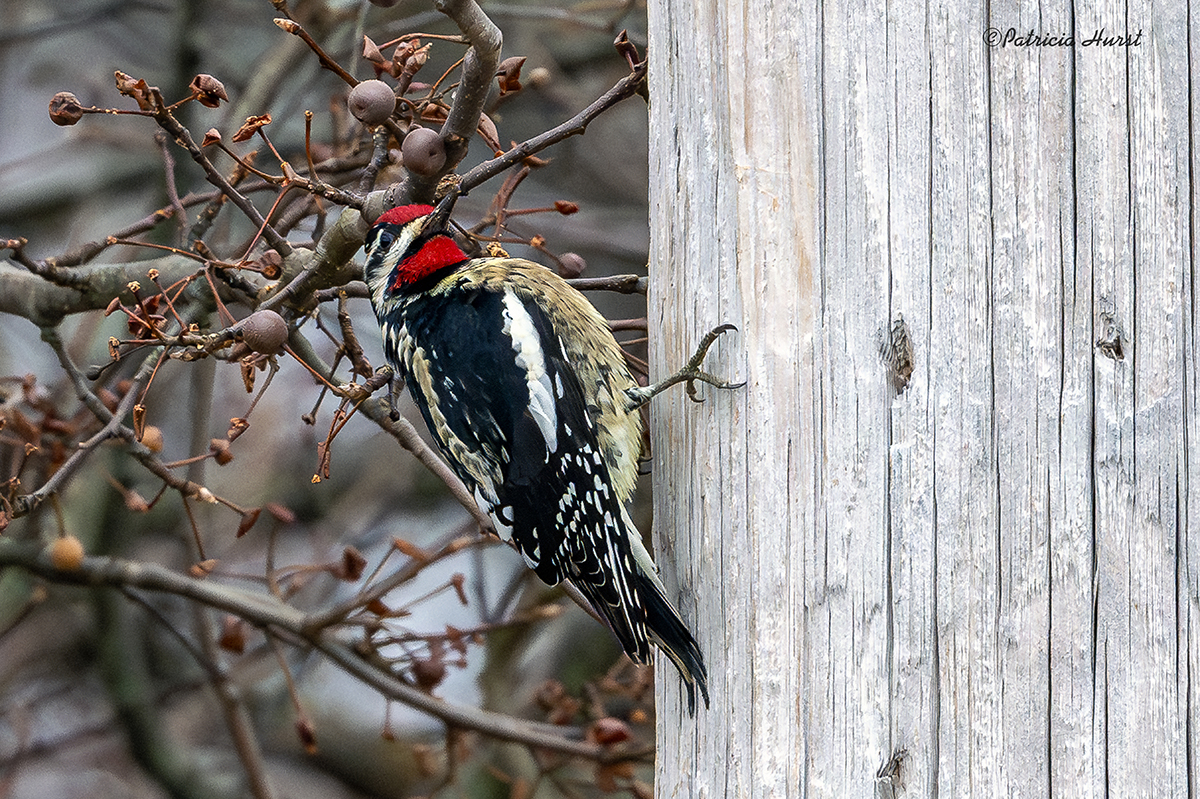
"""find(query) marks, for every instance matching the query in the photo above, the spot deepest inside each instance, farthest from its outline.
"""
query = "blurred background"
(98, 695)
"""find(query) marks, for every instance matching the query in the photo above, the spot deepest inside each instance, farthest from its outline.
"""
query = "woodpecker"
(529, 399)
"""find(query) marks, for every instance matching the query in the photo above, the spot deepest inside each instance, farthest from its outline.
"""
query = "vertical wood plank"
(739, 226)
(1188, 521)
(848, 637)
(997, 570)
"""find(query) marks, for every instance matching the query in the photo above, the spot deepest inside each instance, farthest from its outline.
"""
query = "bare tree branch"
(45, 304)
(266, 611)
(479, 67)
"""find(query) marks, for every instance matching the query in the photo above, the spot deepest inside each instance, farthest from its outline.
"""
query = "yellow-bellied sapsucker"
(529, 398)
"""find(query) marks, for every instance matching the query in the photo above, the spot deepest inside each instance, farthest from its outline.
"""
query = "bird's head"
(403, 249)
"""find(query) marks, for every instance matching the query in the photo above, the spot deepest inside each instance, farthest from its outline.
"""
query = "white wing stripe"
(518, 325)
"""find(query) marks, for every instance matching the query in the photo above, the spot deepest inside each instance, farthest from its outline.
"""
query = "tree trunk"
(985, 582)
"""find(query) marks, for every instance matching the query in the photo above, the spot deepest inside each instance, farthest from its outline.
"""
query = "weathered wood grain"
(987, 583)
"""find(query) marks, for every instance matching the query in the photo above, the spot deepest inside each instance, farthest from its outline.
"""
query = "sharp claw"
(690, 373)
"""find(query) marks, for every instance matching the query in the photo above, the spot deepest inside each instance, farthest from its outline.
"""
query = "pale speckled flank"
(484, 467)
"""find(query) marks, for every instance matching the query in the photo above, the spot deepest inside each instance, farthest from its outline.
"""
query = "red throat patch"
(437, 253)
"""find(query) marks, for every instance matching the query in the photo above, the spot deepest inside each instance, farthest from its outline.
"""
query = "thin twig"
(43, 269)
(237, 718)
(379, 157)
(28, 503)
(624, 88)
(264, 611)
(335, 613)
(164, 147)
(400, 429)
(184, 139)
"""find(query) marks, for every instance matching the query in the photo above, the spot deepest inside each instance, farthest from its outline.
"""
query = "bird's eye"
(384, 240)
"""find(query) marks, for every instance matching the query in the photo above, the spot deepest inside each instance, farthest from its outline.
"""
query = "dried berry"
(423, 152)
(428, 673)
(372, 102)
(264, 331)
(219, 447)
(571, 264)
(65, 109)
(152, 438)
(538, 77)
(66, 553)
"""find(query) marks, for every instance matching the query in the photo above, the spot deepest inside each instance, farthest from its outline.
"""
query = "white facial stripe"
(518, 325)
(380, 278)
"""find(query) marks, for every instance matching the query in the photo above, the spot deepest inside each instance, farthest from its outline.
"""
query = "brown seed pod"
(66, 553)
(281, 513)
(372, 102)
(233, 635)
(65, 109)
(509, 73)
(208, 91)
(264, 331)
(423, 152)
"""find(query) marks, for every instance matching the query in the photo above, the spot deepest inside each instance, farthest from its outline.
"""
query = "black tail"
(668, 631)
(638, 612)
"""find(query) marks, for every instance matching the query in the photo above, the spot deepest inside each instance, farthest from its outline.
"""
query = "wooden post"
(985, 582)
